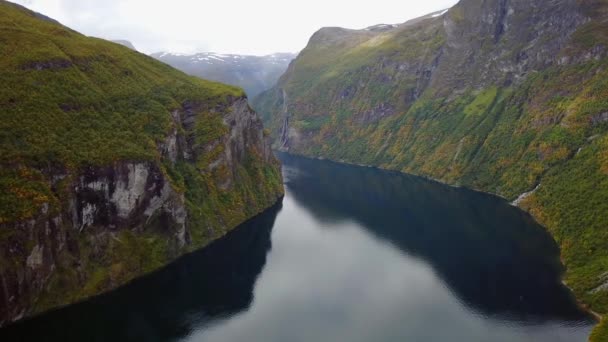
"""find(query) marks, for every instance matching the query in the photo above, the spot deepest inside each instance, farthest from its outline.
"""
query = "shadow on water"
(320, 283)
(491, 255)
(213, 283)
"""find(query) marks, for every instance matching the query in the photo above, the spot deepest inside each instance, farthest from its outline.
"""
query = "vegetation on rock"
(493, 95)
(82, 119)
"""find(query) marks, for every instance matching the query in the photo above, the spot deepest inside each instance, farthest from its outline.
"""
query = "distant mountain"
(125, 43)
(255, 74)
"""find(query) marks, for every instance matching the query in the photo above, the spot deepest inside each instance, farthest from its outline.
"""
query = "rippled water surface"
(351, 254)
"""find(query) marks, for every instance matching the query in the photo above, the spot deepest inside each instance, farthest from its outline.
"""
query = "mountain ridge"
(252, 73)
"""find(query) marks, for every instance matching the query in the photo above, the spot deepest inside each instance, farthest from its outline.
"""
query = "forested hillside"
(508, 97)
(112, 164)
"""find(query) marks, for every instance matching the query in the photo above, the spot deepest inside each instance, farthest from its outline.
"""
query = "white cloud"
(238, 26)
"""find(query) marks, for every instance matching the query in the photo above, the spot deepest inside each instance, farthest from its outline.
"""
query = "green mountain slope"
(501, 96)
(112, 163)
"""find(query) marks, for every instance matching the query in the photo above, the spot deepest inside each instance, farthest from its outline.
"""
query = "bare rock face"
(126, 194)
(502, 41)
(121, 165)
(103, 201)
(134, 196)
(245, 130)
(380, 111)
(378, 74)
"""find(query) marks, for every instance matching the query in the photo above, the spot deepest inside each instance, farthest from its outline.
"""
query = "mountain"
(112, 164)
(125, 43)
(252, 73)
(504, 96)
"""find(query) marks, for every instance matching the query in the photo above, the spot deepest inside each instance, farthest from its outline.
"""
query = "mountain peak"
(254, 74)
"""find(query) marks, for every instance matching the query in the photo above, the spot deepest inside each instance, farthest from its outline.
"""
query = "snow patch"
(216, 58)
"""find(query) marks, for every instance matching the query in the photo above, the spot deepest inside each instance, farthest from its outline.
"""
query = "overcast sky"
(238, 26)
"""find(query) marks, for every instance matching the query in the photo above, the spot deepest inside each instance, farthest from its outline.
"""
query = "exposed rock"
(125, 195)
(599, 118)
(54, 64)
(113, 173)
(284, 133)
(536, 30)
(380, 111)
(547, 121)
(603, 286)
(523, 196)
(34, 260)
(474, 45)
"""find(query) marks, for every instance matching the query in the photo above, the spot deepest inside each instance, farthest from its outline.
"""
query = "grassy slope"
(502, 139)
(68, 101)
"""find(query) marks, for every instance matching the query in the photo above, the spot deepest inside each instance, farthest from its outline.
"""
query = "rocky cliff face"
(373, 74)
(498, 95)
(101, 203)
(132, 199)
(112, 165)
(501, 42)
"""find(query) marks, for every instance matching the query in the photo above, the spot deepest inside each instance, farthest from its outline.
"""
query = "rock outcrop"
(113, 164)
(102, 203)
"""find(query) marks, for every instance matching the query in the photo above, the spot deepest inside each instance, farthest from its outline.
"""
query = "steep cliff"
(112, 164)
(506, 96)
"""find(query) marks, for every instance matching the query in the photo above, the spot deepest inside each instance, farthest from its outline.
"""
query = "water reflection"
(365, 255)
(357, 254)
(492, 255)
(213, 283)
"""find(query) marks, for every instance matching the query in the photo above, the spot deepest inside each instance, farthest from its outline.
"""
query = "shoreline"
(582, 305)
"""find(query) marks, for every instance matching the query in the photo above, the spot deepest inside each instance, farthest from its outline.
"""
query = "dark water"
(351, 254)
